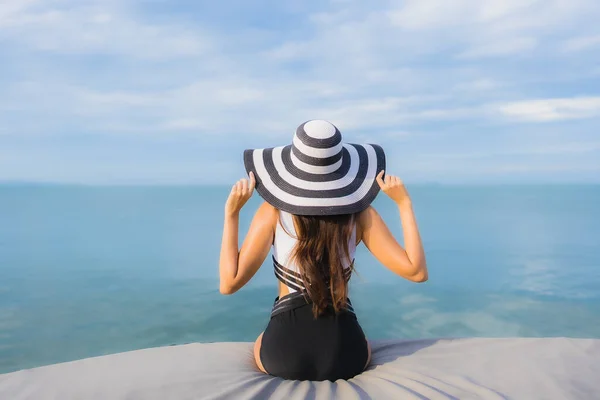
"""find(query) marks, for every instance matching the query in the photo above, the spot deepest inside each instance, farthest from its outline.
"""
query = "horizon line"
(15, 183)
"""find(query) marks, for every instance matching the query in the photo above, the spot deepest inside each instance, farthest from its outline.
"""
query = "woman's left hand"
(240, 194)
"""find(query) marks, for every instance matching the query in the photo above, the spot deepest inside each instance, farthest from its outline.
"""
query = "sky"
(172, 92)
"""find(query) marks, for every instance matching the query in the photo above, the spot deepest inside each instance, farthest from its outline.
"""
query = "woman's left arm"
(237, 267)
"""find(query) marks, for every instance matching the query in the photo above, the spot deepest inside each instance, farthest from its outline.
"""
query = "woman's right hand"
(394, 188)
(240, 194)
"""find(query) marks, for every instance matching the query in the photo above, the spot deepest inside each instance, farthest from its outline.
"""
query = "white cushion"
(553, 368)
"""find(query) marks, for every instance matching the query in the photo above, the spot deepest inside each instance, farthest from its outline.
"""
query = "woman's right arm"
(409, 263)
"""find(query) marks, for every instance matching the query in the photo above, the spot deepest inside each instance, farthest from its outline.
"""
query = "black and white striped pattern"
(318, 174)
(293, 279)
(296, 299)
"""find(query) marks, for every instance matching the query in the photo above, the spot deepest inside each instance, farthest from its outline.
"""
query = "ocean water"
(87, 271)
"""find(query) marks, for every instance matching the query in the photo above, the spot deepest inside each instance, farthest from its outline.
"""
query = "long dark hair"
(321, 252)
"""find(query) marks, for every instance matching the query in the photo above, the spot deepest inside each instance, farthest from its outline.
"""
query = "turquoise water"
(86, 271)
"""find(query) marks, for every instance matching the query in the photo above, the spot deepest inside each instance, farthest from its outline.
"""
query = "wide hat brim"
(349, 189)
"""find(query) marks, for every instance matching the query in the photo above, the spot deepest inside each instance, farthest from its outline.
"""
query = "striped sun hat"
(318, 174)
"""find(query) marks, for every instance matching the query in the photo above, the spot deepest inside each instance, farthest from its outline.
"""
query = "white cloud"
(97, 27)
(547, 110)
(482, 84)
(225, 104)
(502, 47)
(581, 43)
(116, 99)
(564, 148)
(10, 8)
(424, 15)
(489, 15)
(440, 14)
(488, 27)
(185, 124)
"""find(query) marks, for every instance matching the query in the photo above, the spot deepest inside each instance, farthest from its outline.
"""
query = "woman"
(317, 193)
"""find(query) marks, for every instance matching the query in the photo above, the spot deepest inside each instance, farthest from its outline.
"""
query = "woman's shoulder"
(366, 214)
(364, 219)
(267, 212)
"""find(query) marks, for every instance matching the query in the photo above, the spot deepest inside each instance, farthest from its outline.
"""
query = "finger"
(388, 180)
(396, 181)
(252, 181)
(380, 179)
(244, 183)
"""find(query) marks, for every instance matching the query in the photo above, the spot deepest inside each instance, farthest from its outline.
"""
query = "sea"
(94, 270)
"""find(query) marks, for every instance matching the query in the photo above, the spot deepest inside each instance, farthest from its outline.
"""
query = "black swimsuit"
(295, 345)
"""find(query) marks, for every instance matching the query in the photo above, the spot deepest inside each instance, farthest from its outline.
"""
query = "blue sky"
(485, 91)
